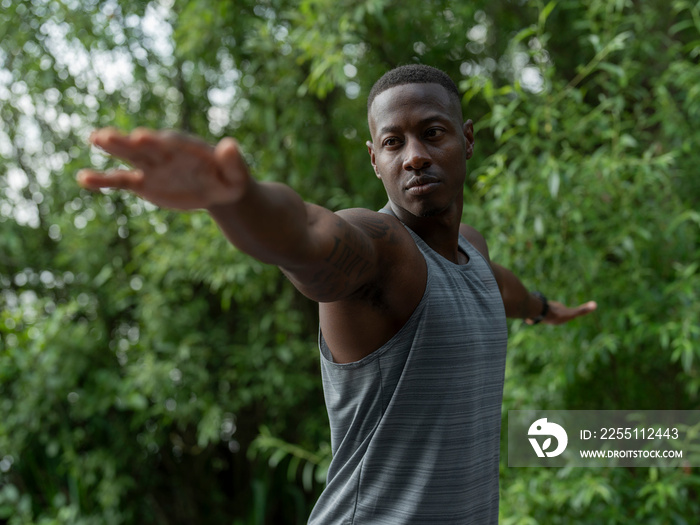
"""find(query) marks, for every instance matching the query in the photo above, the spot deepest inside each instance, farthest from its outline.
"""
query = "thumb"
(232, 168)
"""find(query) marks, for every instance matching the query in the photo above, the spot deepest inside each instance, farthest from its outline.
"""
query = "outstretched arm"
(522, 304)
(518, 301)
(266, 220)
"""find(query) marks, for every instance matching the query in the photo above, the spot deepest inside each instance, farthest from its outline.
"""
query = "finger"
(101, 134)
(105, 138)
(175, 137)
(142, 147)
(232, 166)
(560, 314)
(585, 308)
(567, 314)
(119, 179)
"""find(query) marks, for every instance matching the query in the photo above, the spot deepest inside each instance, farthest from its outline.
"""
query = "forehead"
(405, 102)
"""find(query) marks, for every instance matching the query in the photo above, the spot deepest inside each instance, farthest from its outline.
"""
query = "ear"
(468, 130)
(370, 150)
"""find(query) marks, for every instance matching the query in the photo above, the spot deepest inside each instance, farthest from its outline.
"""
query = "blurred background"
(152, 374)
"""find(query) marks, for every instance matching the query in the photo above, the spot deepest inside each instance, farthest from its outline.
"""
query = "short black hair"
(412, 74)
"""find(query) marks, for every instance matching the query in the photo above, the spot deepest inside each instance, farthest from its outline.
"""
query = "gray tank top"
(415, 425)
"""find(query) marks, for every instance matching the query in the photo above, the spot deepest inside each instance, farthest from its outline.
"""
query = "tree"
(140, 355)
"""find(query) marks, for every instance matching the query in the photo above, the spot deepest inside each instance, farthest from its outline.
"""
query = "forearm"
(269, 222)
(518, 301)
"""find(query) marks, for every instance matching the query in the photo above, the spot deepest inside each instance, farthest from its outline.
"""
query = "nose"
(417, 157)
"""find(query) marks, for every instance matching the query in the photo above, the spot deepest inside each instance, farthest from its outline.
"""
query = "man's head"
(419, 143)
(413, 74)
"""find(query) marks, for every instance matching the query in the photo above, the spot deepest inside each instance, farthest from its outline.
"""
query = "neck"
(439, 231)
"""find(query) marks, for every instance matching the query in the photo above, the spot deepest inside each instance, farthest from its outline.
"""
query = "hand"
(560, 314)
(170, 169)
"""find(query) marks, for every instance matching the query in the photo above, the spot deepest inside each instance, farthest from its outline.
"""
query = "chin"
(424, 210)
(428, 213)
(431, 210)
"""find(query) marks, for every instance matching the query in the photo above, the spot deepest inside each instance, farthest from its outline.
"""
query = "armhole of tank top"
(471, 249)
(325, 350)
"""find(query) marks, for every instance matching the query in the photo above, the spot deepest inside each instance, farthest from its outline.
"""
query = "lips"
(422, 184)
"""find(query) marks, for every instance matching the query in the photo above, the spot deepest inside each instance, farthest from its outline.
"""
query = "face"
(419, 149)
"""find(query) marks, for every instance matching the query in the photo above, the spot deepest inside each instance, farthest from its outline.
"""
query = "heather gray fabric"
(415, 426)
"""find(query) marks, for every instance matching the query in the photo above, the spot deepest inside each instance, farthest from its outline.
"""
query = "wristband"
(545, 307)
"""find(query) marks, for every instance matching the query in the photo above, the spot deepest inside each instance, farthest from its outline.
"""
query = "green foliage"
(150, 373)
(312, 466)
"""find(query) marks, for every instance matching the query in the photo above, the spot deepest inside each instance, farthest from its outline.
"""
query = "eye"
(391, 141)
(433, 133)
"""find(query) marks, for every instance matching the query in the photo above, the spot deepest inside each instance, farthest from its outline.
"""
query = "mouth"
(422, 185)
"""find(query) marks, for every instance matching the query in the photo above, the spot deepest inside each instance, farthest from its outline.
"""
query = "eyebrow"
(422, 122)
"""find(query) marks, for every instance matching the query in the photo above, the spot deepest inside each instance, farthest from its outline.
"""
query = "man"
(412, 311)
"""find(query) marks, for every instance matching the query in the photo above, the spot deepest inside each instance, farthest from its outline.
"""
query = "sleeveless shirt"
(415, 425)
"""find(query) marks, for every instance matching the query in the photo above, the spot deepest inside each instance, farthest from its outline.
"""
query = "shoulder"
(376, 225)
(363, 321)
(476, 239)
(396, 255)
(384, 231)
